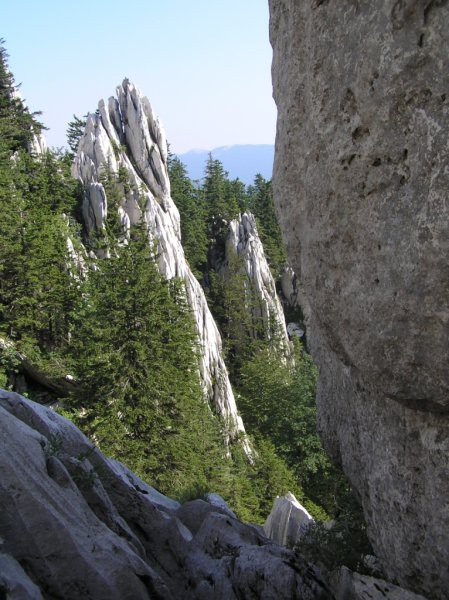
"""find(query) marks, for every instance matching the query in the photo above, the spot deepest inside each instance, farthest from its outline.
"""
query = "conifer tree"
(137, 361)
(17, 124)
(260, 203)
(219, 197)
(75, 130)
(190, 203)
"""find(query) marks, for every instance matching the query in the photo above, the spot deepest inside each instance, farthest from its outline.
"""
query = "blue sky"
(204, 64)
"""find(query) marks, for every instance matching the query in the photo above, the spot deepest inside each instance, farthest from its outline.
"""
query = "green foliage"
(141, 388)
(192, 210)
(260, 203)
(75, 130)
(278, 402)
(343, 543)
(36, 287)
(17, 124)
(37, 198)
(236, 309)
(220, 200)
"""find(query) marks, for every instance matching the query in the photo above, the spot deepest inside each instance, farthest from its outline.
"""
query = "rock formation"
(243, 240)
(126, 137)
(287, 521)
(361, 183)
(75, 524)
(347, 585)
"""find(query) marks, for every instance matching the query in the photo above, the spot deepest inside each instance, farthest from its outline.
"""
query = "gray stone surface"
(74, 524)
(348, 585)
(243, 240)
(361, 182)
(14, 582)
(287, 521)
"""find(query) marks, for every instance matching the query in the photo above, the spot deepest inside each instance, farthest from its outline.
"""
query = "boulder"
(287, 521)
(348, 585)
(360, 182)
(14, 582)
(75, 524)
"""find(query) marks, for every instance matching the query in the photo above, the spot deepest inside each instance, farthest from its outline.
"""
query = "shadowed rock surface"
(361, 182)
(75, 524)
(353, 586)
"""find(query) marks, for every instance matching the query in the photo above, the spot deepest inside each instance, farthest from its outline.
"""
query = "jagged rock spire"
(244, 240)
(125, 134)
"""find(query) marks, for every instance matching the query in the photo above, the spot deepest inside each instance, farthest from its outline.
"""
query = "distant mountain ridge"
(243, 161)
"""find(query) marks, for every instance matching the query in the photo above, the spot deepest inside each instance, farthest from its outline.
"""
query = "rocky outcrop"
(126, 137)
(360, 181)
(289, 286)
(38, 144)
(348, 585)
(287, 521)
(14, 582)
(75, 524)
(265, 307)
(62, 385)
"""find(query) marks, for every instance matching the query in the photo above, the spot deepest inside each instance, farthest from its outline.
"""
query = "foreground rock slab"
(361, 183)
(75, 524)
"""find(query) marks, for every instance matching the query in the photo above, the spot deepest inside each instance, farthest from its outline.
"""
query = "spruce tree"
(220, 200)
(190, 203)
(75, 130)
(137, 361)
(261, 204)
(17, 124)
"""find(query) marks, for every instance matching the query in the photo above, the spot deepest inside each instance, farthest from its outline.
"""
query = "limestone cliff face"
(243, 240)
(126, 136)
(361, 181)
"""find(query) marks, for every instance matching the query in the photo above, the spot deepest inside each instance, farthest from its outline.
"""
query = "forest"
(90, 325)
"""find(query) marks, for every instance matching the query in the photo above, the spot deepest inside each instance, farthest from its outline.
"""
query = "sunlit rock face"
(288, 520)
(361, 182)
(126, 137)
(243, 241)
(76, 524)
(37, 144)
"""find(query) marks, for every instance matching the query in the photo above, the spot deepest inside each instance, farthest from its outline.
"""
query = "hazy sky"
(204, 64)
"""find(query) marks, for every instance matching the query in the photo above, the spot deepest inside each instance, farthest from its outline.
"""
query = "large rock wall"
(361, 181)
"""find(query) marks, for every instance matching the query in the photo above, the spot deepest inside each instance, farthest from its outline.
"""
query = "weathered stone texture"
(243, 240)
(287, 521)
(75, 524)
(361, 181)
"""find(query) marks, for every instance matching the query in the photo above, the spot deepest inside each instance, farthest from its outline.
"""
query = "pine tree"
(190, 203)
(75, 130)
(260, 203)
(236, 308)
(136, 347)
(37, 195)
(17, 124)
(219, 197)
